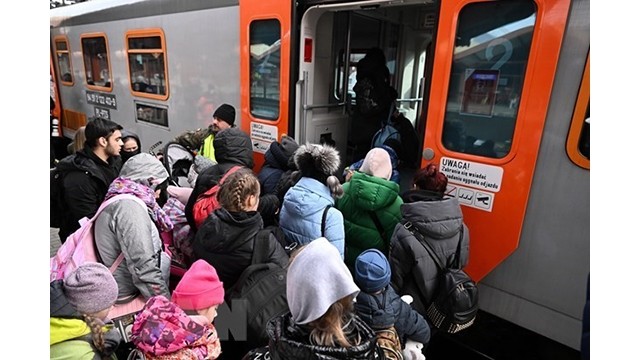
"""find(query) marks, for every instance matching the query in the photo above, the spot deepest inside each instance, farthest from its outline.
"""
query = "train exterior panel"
(497, 91)
(202, 52)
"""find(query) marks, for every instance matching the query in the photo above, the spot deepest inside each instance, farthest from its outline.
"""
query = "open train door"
(494, 66)
(265, 43)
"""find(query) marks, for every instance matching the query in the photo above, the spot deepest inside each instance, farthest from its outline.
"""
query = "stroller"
(177, 159)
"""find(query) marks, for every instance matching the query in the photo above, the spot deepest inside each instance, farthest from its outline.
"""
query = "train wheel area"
(491, 338)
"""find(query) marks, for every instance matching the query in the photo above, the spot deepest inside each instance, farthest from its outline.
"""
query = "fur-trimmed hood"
(317, 161)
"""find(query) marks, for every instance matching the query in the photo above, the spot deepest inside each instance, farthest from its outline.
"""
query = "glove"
(413, 351)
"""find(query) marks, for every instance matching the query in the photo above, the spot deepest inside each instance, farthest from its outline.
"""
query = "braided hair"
(236, 189)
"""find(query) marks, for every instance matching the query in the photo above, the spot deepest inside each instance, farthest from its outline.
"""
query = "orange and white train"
(497, 90)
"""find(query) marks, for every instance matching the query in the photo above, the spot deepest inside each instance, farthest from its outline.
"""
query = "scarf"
(125, 186)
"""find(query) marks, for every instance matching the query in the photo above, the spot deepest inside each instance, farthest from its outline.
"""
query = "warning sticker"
(262, 135)
(482, 200)
(487, 177)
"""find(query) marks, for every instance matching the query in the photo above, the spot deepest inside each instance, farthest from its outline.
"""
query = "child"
(78, 312)
(182, 328)
(379, 305)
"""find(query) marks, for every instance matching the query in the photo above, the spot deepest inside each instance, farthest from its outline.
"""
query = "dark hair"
(97, 128)
(429, 178)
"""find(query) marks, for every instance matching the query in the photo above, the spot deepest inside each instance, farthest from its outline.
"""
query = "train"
(498, 92)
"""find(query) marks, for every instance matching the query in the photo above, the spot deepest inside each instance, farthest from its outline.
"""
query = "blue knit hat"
(373, 272)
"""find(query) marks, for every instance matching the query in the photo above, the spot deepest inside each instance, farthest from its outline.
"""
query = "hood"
(229, 231)
(163, 328)
(66, 329)
(144, 169)
(127, 134)
(371, 192)
(233, 145)
(376, 310)
(307, 196)
(435, 219)
(59, 305)
(291, 341)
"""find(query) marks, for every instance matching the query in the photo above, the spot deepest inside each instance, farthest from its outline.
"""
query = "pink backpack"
(80, 247)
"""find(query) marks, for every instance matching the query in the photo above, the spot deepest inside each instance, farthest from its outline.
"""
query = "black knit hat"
(283, 151)
(226, 113)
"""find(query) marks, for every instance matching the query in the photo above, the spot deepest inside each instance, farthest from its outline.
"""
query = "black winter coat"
(386, 309)
(232, 147)
(290, 341)
(413, 271)
(226, 241)
(86, 179)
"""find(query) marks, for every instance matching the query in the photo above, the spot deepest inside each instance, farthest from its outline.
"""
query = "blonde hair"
(78, 139)
(236, 189)
(97, 335)
(328, 329)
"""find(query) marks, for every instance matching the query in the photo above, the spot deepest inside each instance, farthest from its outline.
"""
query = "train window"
(264, 39)
(365, 33)
(583, 144)
(147, 65)
(152, 114)
(579, 132)
(96, 62)
(65, 70)
(493, 41)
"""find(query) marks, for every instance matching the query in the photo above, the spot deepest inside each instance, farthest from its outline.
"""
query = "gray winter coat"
(413, 271)
(126, 226)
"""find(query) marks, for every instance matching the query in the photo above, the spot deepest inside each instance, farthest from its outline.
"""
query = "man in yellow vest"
(223, 118)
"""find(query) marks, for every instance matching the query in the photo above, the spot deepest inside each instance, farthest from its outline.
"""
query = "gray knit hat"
(91, 288)
(317, 278)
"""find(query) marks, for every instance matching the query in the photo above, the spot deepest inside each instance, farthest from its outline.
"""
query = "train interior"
(406, 33)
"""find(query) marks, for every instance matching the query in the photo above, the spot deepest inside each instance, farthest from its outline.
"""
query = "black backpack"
(455, 304)
(263, 286)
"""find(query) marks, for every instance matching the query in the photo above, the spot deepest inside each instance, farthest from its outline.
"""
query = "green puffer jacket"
(364, 194)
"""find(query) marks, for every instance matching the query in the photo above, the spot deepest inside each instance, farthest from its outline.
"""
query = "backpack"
(263, 286)
(207, 202)
(455, 304)
(56, 201)
(389, 342)
(80, 247)
(398, 127)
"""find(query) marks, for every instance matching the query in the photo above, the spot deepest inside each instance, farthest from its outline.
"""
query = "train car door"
(493, 72)
(265, 42)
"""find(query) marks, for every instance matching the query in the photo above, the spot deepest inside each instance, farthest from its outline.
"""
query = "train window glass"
(578, 139)
(583, 144)
(264, 40)
(153, 114)
(365, 34)
(147, 67)
(65, 70)
(96, 62)
(487, 75)
(355, 56)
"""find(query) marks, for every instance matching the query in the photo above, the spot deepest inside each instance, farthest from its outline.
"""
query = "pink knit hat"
(377, 163)
(199, 288)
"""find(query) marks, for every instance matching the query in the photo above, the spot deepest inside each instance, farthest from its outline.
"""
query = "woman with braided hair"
(226, 238)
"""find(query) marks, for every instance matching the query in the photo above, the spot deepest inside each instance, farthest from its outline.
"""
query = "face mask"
(126, 155)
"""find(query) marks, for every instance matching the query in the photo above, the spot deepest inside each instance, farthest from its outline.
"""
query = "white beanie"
(377, 163)
(316, 279)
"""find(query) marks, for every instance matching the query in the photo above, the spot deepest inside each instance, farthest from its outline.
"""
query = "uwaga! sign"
(472, 174)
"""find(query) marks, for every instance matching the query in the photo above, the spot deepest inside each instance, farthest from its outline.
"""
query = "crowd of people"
(170, 262)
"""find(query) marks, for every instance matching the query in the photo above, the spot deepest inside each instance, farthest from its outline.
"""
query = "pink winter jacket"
(164, 331)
